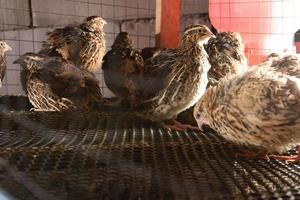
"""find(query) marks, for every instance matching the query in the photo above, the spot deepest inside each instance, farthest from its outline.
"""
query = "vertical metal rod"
(157, 21)
(31, 23)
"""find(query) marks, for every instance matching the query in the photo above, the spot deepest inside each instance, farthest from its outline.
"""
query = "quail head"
(226, 56)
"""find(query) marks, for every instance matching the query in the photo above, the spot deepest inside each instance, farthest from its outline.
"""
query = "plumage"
(82, 44)
(149, 52)
(259, 108)
(3, 49)
(226, 56)
(54, 84)
(269, 60)
(122, 65)
(175, 79)
(287, 64)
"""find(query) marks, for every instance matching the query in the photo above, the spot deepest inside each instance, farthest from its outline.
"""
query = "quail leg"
(186, 126)
(83, 106)
(170, 127)
(175, 125)
(244, 153)
(288, 159)
(112, 103)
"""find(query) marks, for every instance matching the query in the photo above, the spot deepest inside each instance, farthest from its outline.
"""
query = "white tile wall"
(13, 14)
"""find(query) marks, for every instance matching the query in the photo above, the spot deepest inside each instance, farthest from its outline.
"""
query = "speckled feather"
(149, 52)
(53, 84)
(3, 48)
(259, 108)
(287, 64)
(226, 56)
(182, 73)
(82, 44)
(2, 66)
(281, 62)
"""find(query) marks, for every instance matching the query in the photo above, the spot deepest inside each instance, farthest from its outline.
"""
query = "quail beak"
(104, 22)
(8, 48)
(211, 35)
(201, 128)
(18, 61)
(206, 37)
(201, 122)
(200, 125)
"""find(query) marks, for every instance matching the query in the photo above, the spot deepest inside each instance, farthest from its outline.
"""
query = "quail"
(175, 79)
(122, 65)
(54, 84)
(82, 44)
(259, 108)
(3, 49)
(226, 56)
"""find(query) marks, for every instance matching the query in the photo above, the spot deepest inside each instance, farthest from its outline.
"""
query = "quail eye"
(198, 115)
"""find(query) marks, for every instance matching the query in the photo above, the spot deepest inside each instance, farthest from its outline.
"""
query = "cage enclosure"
(110, 153)
(266, 26)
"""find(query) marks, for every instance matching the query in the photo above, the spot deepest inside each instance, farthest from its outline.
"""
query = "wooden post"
(167, 23)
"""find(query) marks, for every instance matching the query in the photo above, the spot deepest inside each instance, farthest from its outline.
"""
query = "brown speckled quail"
(3, 49)
(179, 78)
(82, 44)
(259, 108)
(226, 56)
(122, 65)
(54, 84)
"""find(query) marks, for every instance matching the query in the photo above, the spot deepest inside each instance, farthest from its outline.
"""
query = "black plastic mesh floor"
(116, 156)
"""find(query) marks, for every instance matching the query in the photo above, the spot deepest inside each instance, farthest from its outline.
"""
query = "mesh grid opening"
(111, 154)
(118, 156)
